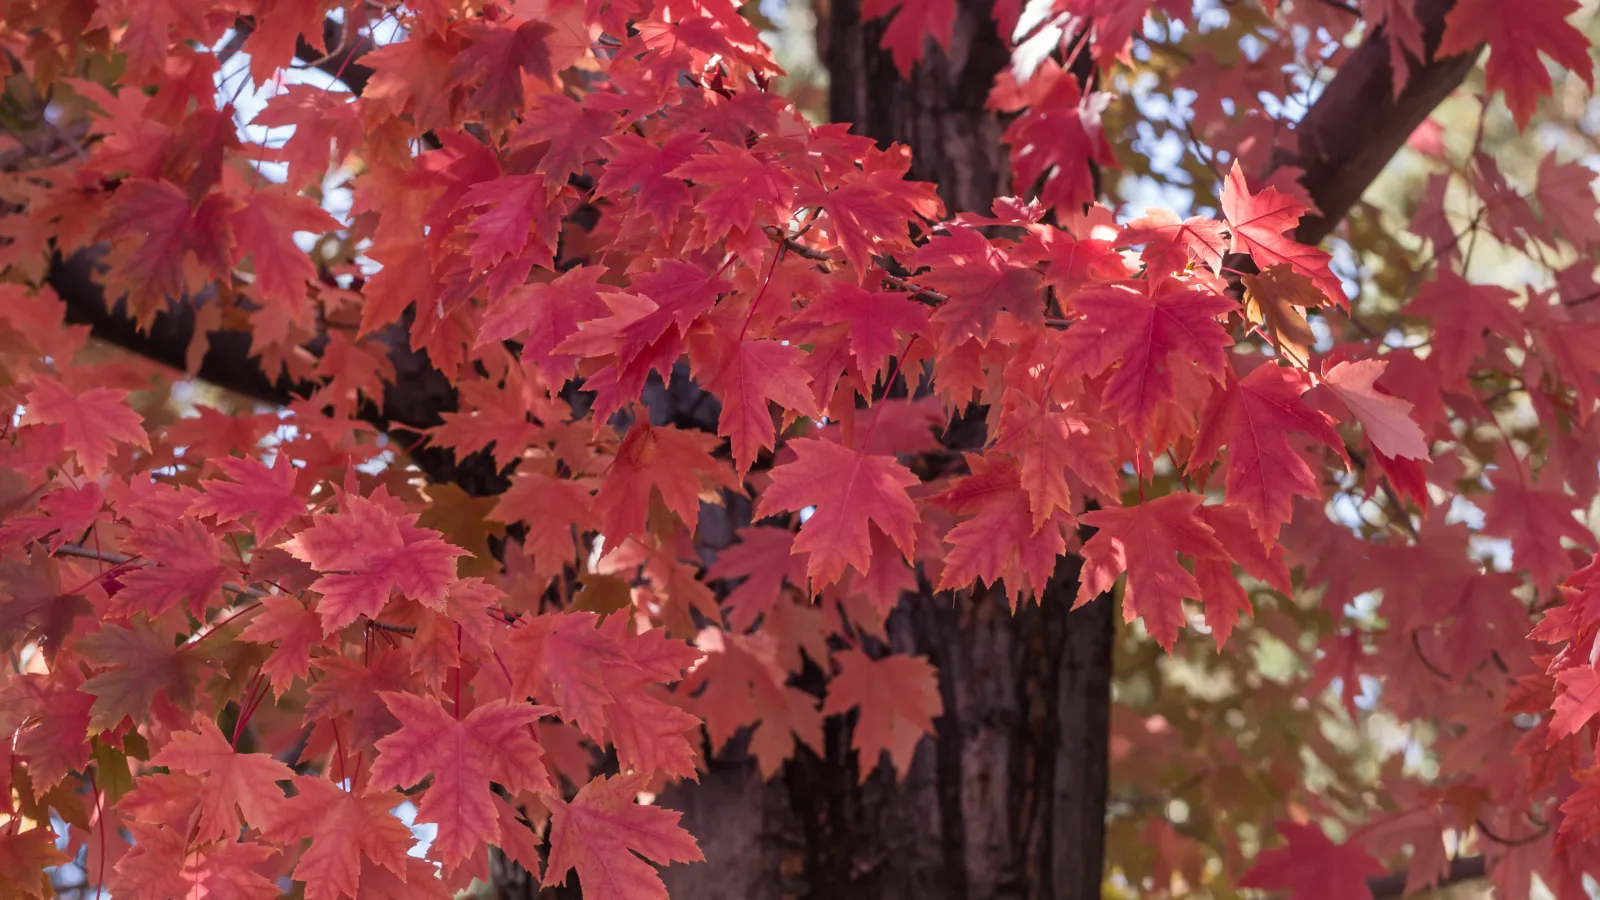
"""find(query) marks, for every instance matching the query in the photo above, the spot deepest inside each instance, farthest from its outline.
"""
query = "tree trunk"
(1008, 799)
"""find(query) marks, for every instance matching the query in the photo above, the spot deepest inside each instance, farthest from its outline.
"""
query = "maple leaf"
(264, 228)
(598, 678)
(1313, 867)
(264, 496)
(601, 829)
(748, 376)
(1000, 540)
(142, 664)
(877, 322)
(93, 422)
(1462, 313)
(1535, 518)
(1170, 242)
(1145, 541)
(570, 131)
(1253, 419)
(1057, 138)
(1567, 201)
(873, 211)
(232, 783)
(322, 119)
(517, 203)
(295, 630)
(1386, 418)
(1260, 223)
(187, 566)
(898, 696)
(1156, 333)
(547, 313)
(644, 164)
(764, 558)
(1273, 300)
(499, 54)
(669, 463)
(1517, 31)
(981, 281)
(366, 552)
(1577, 703)
(1048, 443)
(851, 492)
(164, 244)
(552, 509)
(25, 854)
(492, 743)
(163, 865)
(743, 186)
(344, 827)
(913, 22)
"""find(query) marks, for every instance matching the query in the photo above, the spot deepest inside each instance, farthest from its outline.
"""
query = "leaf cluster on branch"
(476, 563)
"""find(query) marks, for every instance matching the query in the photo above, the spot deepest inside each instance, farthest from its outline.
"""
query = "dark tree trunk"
(1008, 799)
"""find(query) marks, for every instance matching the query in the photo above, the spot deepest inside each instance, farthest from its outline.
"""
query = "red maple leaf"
(493, 743)
(264, 228)
(898, 696)
(1313, 867)
(187, 567)
(1260, 225)
(1000, 540)
(231, 783)
(1385, 417)
(92, 422)
(1535, 517)
(669, 463)
(1577, 702)
(850, 493)
(263, 496)
(914, 22)
(748, 376)
(601, 829)
(1253, 419)
(981, 281)
(1057, 141)
(142, 664)
(1517, 31)
(344, 827)
(1462, 314)
(1157, 333)
(25, 856)
(1170, 243)
(598, 678)
(876, 323)
(164, 864)
(498, 54)
(545, 314)
(1145, 541)
(286, 622)
(367, 551)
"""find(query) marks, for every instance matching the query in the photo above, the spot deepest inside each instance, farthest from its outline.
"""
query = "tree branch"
(1358, 124)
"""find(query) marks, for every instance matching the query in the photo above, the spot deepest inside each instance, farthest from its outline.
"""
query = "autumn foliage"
(239, 639)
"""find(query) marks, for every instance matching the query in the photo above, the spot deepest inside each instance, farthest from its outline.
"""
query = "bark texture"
(1008, 799)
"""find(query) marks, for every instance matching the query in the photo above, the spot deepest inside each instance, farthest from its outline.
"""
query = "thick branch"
(1358, 124)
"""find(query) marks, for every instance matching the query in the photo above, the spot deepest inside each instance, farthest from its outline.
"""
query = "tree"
(602, 440)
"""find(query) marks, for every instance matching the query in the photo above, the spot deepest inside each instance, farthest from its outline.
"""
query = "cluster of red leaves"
(560, 190)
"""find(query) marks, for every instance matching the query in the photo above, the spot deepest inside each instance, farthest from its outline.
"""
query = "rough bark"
(1008, 799)
(938, 111)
